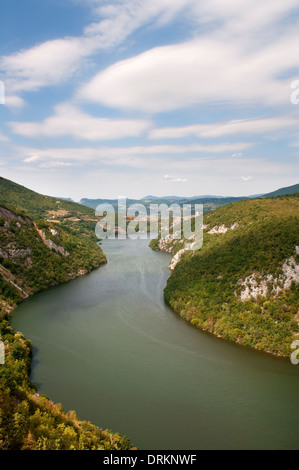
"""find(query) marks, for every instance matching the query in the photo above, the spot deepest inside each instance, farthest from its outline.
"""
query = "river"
(107, 346)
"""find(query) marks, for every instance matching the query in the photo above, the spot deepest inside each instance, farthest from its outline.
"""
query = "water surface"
(107, 346)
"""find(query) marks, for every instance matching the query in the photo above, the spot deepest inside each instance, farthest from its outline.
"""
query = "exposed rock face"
(222, 228)
(167, 243)
(164, 243)
(54, 232)
(81, 272)
(19, 253)
(50, 244)
(290, 272)
(9, 215)
(176, 259)
(256, 285)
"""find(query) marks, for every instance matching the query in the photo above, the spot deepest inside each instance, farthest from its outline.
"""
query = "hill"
(209, 202)
(282, 191)
(24, 201)
(43, 241)
(243, 285)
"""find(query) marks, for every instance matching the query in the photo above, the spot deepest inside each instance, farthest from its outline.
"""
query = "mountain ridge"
(210, 202)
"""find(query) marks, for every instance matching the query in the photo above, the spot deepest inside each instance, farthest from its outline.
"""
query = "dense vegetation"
(205, 286)
(36, 266)
(32, 422)
(282, 191)
(43, 241)
(37, 206)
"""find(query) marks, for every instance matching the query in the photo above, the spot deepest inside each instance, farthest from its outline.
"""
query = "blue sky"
(136, 97)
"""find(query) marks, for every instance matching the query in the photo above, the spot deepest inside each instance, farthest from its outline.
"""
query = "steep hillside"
(23, 201)
(37, 254)
(283, 191)
(243, 285)
(43, 242)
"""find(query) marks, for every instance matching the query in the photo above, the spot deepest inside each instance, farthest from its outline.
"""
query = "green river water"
(107, 346)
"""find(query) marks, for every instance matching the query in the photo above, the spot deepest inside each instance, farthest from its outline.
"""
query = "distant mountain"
(256, 196)
(282, 191)
(67, 199)
(209, 202)
(149, 198)
(178, 198)
(94, 203)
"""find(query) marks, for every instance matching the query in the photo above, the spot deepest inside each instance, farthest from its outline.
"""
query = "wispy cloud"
(174, 77)
(237, 155)
(231, 128)
(3, 138)
(71, 121)
(134, 156)
(174, 179)
(55, 61)
(225, 68)
(246, 178)
(14, 101)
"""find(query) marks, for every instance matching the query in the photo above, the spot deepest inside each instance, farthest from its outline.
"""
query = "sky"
(137, 97)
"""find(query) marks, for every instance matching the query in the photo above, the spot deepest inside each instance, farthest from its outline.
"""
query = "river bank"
(45, 424)
(137, 367)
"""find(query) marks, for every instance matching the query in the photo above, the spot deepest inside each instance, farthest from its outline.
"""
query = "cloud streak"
(204, 70)
(56, 61)
(71, 121)
(230, 128)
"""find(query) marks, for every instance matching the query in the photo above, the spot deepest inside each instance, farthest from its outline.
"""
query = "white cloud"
(246, 178)
(234, 60)
(117, 21)
(209, 69)
(3, 138)
(239, 16)
(237, 155)
(132, 157)
(230, 128)
(127, 170)
(55, 164)
(55, 61)
(70, 121)
(174, 179)
(46, 64)
(32, 159)
(14, 101)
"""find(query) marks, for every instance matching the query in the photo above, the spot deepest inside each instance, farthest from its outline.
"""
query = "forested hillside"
(243, 285)
(43, 241)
